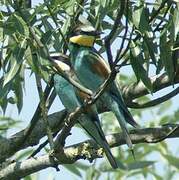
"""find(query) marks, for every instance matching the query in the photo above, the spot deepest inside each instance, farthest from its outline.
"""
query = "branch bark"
(137, 90)
(87, 150)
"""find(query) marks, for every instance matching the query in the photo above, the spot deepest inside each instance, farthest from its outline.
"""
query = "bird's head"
(60, 61)
(84, 35)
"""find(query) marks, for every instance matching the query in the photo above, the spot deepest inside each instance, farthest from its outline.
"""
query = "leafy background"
(150, 53)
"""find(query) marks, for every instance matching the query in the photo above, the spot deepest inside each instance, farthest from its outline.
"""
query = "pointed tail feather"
(122, 123)
(129, 142)
(130, 119)
(104, 144)
(94, 130)
(117, 97)
(109, 155)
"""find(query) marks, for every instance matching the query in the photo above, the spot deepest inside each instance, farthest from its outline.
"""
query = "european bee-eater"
(73, 98)
(92, 70)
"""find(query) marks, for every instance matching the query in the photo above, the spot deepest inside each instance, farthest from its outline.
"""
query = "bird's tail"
(94, 129)
(122, 122)
(104, 144)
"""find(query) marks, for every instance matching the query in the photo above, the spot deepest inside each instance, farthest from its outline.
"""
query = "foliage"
(28, 34)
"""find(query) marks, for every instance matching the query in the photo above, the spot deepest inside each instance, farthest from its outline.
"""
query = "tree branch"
(137, 90)
(88, 150)
(155, 101)
(44, 111)
(155, 14)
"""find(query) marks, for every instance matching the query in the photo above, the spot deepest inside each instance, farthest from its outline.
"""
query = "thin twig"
(155, 101)
(157, 11)
(124, 37)
(125, 51)
(69, 123)
(161, 21)
(44, 111)
(40, 147)
(56, 23)
(153, 17)
(108, 39)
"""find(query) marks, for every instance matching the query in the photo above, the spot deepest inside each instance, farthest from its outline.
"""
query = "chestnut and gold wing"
(98, 65)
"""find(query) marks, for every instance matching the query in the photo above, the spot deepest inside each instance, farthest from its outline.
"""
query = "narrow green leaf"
(31, 60)
(113, 4)
(46, 24)
(157, 177)
(106, 25)
(15, 23)
(140, 17)
(14, 67)
(1, 34)
(21, 25)
(4, 89)
(137, 15)
(176, 21)
(136, 62)
(24, 154)
(166, 55)
(105, 167)
(73, 169)
(144, 22)
(152, 48)
(164, 107)
(28, 178)
(7, 122)
(47, 37)
(159, 66)
(165, 119)
(19, 93)
(81, 165)
(15, 62)
(174, 161)
(139, 164)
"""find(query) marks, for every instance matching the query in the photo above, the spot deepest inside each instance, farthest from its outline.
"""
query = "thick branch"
(88, 150)
(135, 90)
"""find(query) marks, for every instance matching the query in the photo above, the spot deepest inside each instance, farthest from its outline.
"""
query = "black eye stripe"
(75, 33)
(80, 32)
(87, 33)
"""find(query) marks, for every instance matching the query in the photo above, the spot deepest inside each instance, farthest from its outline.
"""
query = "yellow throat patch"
(83, 40)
